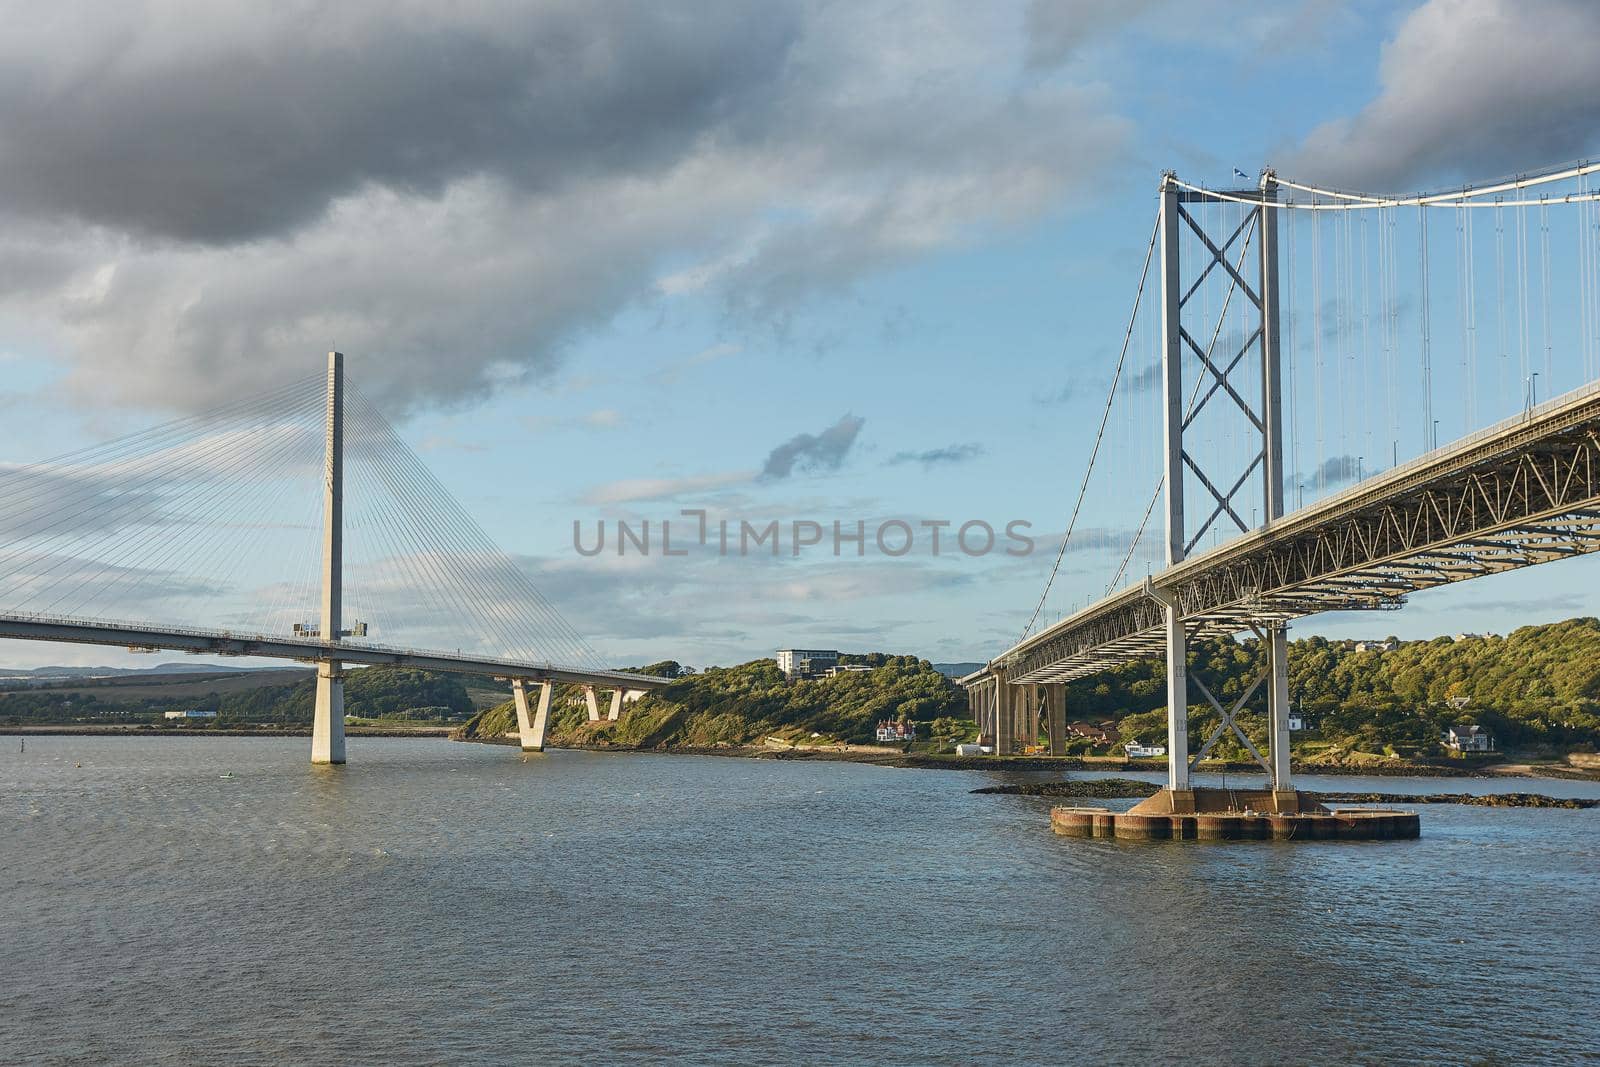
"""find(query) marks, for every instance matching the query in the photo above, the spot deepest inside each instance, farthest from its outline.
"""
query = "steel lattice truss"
(1524, 492)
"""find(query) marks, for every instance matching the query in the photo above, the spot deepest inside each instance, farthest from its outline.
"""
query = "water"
(443, 903)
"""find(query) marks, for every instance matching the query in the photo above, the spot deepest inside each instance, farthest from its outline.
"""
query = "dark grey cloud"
(195, 202)
(813, 453)
(939, 456)
(243, 124)
(1145, 378)
(1335, 470)
(1470, 89)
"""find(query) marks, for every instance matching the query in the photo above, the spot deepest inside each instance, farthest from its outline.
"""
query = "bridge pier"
(1282, 783)
(615, 711)
(327, 717)
(592, 702)
(1055, 715)
(1005, 726)
(531, 728)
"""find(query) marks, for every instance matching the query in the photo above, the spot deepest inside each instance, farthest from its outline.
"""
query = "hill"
(1536, 689)
(282, 696)
(748, 703)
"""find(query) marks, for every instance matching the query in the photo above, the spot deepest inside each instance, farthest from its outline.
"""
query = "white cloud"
(1470, 89)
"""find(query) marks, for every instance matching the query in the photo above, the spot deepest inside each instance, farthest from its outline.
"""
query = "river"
(436, 902)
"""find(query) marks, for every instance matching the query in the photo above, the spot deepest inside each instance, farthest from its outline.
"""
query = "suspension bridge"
(275, 516)
(1300, 337)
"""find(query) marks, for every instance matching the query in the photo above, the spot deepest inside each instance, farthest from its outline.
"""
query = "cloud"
(633, 489)
(1335, 470)
(1058, 28)
(1145, 378)
(671, 372)
(935, 456)
(599, 419)
(196, 204)
(1471, 89)
(1057, 396)
(813, 453)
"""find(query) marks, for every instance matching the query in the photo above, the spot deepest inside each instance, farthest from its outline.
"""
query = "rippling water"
(439, 903)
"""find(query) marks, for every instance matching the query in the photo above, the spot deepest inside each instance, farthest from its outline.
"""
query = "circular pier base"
(1342, 824)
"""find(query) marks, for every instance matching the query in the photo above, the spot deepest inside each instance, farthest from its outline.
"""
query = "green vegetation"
(390, 693)
(749, 703)
(1536, 690)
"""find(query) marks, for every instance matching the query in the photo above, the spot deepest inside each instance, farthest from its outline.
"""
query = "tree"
(945, 728)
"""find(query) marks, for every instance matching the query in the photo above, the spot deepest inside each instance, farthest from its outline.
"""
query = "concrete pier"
(1229, 815)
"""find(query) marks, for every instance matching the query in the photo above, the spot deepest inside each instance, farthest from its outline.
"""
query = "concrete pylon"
(615, 711)
(1055, 716)
(1005, 719)
(531, 727)
(327, 717)
(1278, 709)
(594, 704)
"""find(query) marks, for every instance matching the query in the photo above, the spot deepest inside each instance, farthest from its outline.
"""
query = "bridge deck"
(225, 643)
(1522, 492)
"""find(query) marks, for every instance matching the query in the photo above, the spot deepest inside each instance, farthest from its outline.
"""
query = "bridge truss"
(1521, 492)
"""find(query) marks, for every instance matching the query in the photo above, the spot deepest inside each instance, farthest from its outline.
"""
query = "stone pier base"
(1235, 815)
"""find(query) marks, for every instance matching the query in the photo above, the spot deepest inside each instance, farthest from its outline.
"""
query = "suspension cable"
(1083, 488)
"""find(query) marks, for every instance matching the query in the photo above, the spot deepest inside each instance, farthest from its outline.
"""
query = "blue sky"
(814, 263)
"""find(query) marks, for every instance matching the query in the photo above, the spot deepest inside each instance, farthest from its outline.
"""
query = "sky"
(793, 262)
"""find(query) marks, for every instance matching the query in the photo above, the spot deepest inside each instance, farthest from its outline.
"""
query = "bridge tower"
(1218, 371)
(327, 721)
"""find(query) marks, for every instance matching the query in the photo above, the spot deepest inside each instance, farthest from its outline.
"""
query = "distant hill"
(956, 670)
(118, 672)
(746, 704)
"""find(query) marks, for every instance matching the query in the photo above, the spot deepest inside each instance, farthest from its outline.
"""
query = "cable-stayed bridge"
(1251, 392)
(304, 528)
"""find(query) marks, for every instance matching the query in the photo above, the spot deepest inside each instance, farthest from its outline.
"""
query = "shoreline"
(871, 755)
(434, 732)
(876, 756)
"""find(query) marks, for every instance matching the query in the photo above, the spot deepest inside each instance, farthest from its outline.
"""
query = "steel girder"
(1525, 493)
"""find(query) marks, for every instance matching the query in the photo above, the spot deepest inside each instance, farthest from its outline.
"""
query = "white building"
(806, 662)
(192, 713)
(1135, 750)
(1468, 738)
(847, 668)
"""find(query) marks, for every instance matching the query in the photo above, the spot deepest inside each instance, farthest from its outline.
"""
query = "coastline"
(67, 730)
(881, 757)
(874, 755)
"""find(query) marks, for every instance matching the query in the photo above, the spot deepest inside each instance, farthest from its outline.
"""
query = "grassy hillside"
(745, 704)
(1536, 689)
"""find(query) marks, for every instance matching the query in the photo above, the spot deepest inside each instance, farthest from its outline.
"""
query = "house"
(1135, 750)
(806, 662)
(192, 713)
(967, 748)
(1296, 723)
(1103, 734)
(889, 730)
(1467, 738)
(1376, 646)
(1458, 638)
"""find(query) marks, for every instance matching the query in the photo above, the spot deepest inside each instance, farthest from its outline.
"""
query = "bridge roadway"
(1524, 491)
(141, 636)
